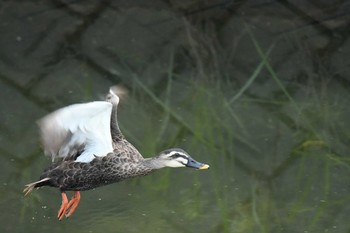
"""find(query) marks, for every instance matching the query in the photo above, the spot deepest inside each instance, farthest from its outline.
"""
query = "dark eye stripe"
(177, 155)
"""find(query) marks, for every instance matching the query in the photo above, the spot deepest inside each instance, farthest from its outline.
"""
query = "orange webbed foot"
(73, 204)
(68, 208)
(64, 206)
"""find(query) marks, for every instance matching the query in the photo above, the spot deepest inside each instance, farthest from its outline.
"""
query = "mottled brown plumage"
(78, 176)
(90, 152)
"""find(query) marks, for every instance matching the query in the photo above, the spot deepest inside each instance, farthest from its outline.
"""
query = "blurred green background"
(257, 89)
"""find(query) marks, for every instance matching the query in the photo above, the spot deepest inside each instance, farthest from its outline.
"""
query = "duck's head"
(116, 93)
(176, 157)
(112, 97)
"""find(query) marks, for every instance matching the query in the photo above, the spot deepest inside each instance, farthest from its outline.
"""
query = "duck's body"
(80, 176)
(93, 152)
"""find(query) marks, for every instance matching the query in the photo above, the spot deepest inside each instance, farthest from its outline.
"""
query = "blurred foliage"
(257, 90)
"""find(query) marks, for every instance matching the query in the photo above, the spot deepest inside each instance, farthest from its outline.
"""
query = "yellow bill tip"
(204, 167)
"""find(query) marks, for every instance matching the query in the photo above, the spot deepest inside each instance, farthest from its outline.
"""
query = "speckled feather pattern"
(125, 162)
(91, 151)
(80, 169)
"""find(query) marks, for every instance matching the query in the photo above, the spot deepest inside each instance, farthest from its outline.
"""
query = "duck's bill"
(194, 164)
(204, 167)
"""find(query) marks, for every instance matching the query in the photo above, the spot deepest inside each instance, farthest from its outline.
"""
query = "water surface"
(257, 89)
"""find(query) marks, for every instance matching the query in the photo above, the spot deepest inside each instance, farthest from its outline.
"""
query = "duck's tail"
(29, 187)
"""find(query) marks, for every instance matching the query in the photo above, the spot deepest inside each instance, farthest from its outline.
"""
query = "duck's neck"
(152, 163)
(144, 167)
(115, 131)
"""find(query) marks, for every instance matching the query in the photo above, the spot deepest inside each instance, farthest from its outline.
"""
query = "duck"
(88, 150)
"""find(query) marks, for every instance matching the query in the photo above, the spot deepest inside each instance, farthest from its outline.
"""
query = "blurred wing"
(79, 131)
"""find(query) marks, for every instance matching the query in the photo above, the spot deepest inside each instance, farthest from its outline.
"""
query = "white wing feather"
(78, 128)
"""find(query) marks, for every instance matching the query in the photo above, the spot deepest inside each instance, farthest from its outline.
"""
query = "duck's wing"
(79, 132)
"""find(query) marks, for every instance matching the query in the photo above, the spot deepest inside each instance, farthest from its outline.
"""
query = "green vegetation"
(277, 146)
(278, 162)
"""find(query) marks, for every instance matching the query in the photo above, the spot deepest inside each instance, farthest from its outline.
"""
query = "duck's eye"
(175, 155)
(178, 155)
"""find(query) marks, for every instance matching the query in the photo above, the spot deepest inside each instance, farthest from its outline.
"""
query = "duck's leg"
(73, 204)
(64, 206)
